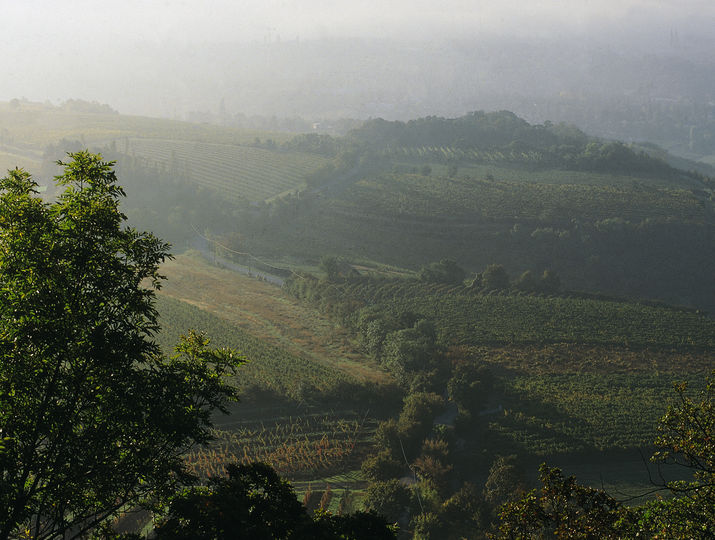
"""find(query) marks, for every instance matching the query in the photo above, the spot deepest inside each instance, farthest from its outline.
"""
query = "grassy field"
(35, 125)
(263, 311)
(10, 160)
(270, 369)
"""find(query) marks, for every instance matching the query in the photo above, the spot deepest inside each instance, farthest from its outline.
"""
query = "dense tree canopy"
(92, 416)
(252, 502)
(444, 271)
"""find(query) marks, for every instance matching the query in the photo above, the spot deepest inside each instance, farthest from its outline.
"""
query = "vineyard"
(621, 235)
(546, 360)
(466, 317)
(237, 172)
(532, 165)
(449, 153)
(260, 310)
(542, 372)
(299, 447)
(577, 374)
(276, 420)
(427, 196)
(579, 412)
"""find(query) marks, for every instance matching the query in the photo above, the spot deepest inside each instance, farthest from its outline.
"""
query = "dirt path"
(266, 312)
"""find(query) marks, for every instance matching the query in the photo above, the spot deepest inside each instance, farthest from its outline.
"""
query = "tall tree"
(93, 417)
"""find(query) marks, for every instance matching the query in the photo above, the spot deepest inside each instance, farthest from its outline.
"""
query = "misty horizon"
(323, 60)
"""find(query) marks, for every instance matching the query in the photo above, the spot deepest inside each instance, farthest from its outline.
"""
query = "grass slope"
(262, 311)
(35, 125)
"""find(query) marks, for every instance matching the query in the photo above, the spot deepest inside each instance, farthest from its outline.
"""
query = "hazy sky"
(60, 49)
(62, 22)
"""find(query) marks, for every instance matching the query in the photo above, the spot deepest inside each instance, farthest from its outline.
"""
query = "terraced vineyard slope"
(236, 172)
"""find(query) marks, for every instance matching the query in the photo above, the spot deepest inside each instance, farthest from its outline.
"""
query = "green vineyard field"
(37, 125)
(274, 423)
(238, 172)
(465, 317)
(427, 196)
(582, 412)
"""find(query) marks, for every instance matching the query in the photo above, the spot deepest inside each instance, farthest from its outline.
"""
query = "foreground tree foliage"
(93, 419)
(564, 509)
(686, 438)
(254, 503)
(561, 509)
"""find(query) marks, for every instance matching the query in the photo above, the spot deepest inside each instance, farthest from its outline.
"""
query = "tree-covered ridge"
(486, 130)
(503, 136)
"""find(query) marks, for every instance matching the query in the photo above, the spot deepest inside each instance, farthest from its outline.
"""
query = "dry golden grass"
(267, 313)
